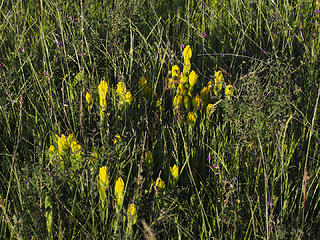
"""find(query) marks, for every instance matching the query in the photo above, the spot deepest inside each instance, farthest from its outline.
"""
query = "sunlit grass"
(159, 119)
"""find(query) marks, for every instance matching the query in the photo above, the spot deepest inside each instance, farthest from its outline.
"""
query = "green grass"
(248, 170)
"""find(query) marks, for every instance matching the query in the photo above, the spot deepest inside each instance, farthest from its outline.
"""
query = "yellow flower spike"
(174, 171)
(184, 79)
(132, 214)
(175, 72)
(116, 139)
(142, 82)
(102, 90)
(186, 66)
(177, 101)
(196, 103)
(103, 104)
(89, 100)
(128, 97)
(209, 109)
(119, 193)
(62, 145)
(160, 184)
(193, 77)
(187, 52)
(218, 77)
(75, 147)
(51, 149)
(103, 183)
(229, 91)
(191, 119)
(186, 102)
(103, 178)
(181, 90)
(121, 90)
(218, 81)
(204, 94)
(148, 158)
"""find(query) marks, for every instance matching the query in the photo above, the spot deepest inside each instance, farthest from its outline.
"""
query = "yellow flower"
(193, 77)
(128, 97)
(117, 139)
(102, 90)
(148, 158)
(204, 94)
(177, 101)
(121, 90)
(75, 147)
(196, 103)
(142, 82)
(210, 85)
(89, 100)
(118, 190)
(187, 52)
(51, 149)
(218, 77)
(132, 213)
(191, 119)
(160, 184)
(181, 90)
(103, 178)
(186, 66)
(175, 72)
(209, 108)
(186, 102)
(174, 171)
(184, 79)
(171, 83)
(229, 91)
(62, 145)
(103, 183)
(218, 82)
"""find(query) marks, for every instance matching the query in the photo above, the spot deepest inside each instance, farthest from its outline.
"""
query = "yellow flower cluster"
(124, 95)
(121, 91)
(132, 214)
(89, 100)
(119, 193)
(160, 185)
(103, 182)
(66, 143)
(187, 54)
(191, 119)
(183, 82)
(218, 81)
(174, 171)
(229, 91)
(102, 90)
(69, 151)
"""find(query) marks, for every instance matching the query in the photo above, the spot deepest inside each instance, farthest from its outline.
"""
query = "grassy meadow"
(152, 119)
